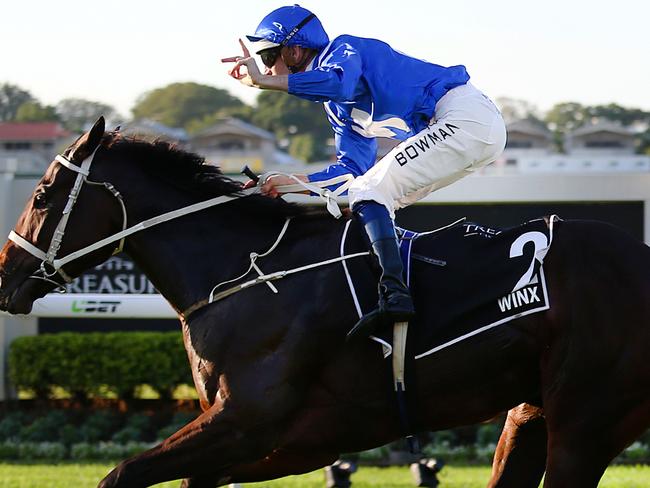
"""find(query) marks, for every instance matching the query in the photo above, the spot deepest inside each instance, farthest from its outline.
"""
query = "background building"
(232, 143)
(602, 146)
(29, 147)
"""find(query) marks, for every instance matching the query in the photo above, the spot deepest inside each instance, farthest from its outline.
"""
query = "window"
(18, 146)
(519, 144)
(231, 145)
(604, 144)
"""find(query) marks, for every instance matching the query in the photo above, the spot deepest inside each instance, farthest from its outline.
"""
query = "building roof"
(233, 126)
(32, 131)
(602, 126)
(528, 127)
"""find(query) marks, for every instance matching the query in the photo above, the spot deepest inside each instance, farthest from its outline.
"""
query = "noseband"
(49, 258)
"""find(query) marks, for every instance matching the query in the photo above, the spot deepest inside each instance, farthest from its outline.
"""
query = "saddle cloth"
(468, 278)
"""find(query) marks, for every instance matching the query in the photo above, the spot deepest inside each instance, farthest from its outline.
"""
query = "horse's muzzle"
(17, 291)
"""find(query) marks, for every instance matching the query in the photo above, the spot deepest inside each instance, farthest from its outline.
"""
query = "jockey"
(446, 126)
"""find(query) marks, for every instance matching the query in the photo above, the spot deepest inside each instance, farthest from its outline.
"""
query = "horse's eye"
(40, 200)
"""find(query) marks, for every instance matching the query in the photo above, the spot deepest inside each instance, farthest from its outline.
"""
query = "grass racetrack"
(65, 475)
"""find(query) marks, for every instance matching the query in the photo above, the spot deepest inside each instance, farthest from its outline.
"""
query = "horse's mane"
(190, 172)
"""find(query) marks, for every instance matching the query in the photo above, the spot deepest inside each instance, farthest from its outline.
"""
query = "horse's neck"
(203, 250)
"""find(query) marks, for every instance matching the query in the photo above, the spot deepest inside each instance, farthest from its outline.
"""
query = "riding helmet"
(289, 26)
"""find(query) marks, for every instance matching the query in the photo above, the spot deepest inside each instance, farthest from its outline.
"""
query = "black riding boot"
(395, 303)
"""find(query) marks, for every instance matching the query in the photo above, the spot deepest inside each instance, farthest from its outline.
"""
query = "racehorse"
(281, 390)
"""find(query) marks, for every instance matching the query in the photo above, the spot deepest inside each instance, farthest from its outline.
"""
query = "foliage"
(303, 147)
(178, 104)
(243, 112)
(90, 364)
(33, 111)
(448, 437)
(106, 450)
(53, 451)
(11, 98)
(563, 118)
(179, 420)
(487, 434)
(134, 430)
(514, 109)
(644, 142)
(44, 428)
(11, 425)
(290, 117)
(374, 455)
(98, 426)
(635, 453)
(617, 113)
(78, 114)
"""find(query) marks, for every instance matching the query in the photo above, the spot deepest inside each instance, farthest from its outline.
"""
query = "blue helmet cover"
(277, 25)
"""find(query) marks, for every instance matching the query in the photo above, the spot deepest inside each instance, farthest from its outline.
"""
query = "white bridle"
(48, 258)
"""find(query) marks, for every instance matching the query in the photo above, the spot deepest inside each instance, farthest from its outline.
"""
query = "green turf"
(65, 475)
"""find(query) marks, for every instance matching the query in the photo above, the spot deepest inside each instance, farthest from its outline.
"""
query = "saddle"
(468, 278)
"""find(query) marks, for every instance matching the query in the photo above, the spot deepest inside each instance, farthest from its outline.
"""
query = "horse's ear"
(97, 132)
(89, 141)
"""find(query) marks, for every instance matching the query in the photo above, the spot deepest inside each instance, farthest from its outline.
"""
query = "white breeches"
(466, 134)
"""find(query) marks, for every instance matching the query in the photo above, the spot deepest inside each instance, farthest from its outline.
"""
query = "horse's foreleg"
(218, 438)
(520, 456)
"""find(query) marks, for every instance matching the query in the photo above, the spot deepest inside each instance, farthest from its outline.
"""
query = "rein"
(267, 278)
(49, 258)
(83, 171)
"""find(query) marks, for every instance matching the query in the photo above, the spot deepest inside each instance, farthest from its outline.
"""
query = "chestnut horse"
(281, 391)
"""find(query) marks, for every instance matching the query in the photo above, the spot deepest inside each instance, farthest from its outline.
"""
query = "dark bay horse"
(281, 391)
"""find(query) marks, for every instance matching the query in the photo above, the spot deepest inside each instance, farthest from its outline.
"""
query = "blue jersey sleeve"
(335, 79)
(355, 153)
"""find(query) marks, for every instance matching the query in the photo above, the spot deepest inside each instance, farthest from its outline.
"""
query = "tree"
(617, 113)
(514, 109)
(35, 112)
(563, 118)
(11, 98)
(303, 147)
(566, 116)
(243, 112)
(644, 142)
(289, 118)
(179, 104)
(77, 114)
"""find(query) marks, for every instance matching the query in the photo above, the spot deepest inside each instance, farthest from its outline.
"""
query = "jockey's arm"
(335, 79)
(356, 154)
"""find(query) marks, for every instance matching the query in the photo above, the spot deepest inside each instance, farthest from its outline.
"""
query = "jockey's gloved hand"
(249, 184)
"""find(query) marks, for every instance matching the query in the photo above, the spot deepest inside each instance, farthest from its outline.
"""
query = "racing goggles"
(270, 56)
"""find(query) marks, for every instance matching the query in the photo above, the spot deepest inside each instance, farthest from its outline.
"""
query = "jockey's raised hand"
(248, 73)
(249, 76)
